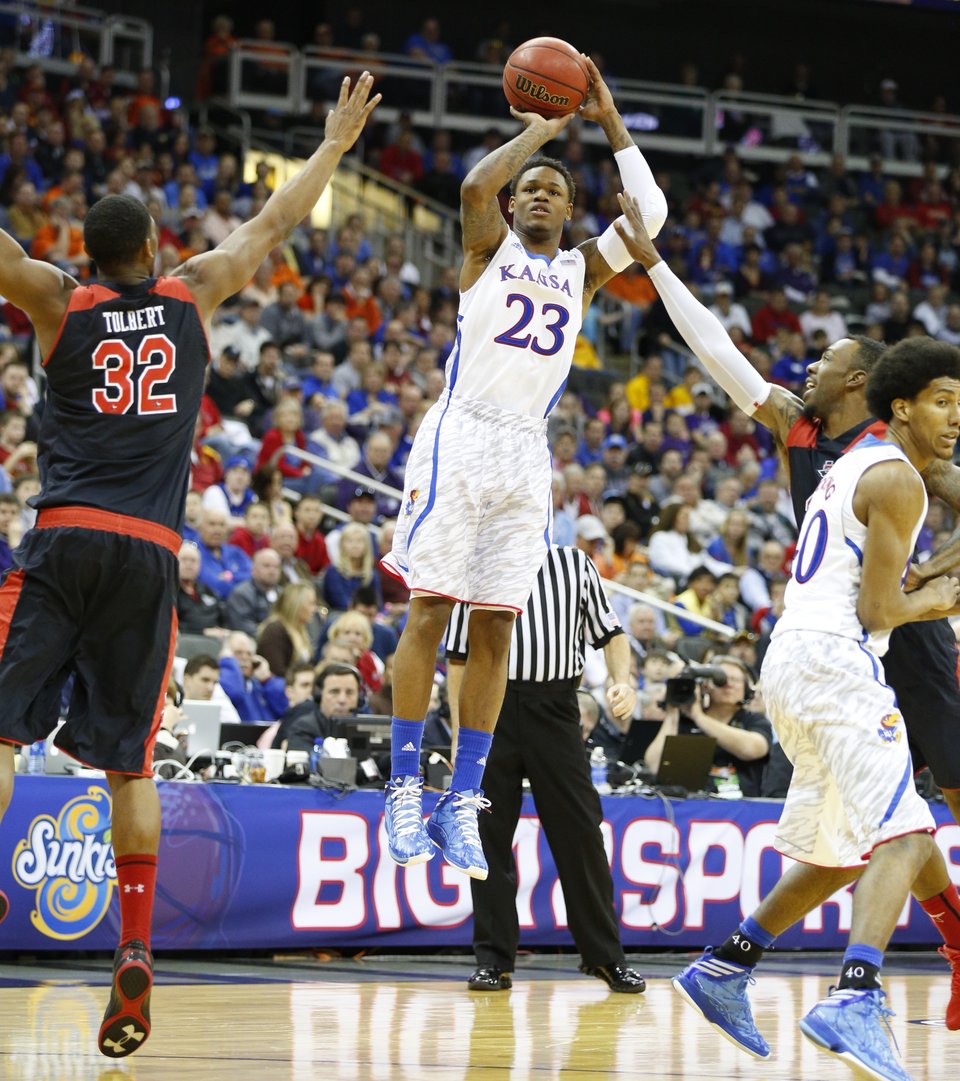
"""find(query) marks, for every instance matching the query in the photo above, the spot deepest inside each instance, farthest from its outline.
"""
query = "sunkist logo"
(69, 862)
(538, 92)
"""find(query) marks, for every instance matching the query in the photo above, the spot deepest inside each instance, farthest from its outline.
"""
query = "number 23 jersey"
(517, 328)
(823, 592)
(124, 382)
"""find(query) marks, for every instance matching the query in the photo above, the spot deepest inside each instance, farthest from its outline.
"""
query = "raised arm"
(216, 275)
(37, 287)
(607, 255)
(480, 218)
(775, 407)
(888, 500)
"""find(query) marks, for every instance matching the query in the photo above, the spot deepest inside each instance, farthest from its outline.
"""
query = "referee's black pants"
(538, 736)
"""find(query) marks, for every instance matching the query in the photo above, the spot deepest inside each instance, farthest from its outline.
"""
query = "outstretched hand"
(599, 100)
(552, 126)
(346, 119)
(634, 233)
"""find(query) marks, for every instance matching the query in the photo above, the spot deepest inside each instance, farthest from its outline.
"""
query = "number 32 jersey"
(124, 382)
(823, 592)
(517, 328)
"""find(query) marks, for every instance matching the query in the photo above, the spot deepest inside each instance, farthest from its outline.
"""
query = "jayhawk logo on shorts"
(889, 730)
(414, 494)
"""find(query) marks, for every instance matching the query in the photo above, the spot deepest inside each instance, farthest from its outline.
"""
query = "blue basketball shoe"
(407, 840)
(717, 990)
(453, 829)
(852, 1025)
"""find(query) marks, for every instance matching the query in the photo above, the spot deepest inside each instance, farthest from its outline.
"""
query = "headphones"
(341, 668)
(749, 686)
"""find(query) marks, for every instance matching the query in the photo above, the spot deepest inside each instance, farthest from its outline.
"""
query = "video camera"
(682, 689)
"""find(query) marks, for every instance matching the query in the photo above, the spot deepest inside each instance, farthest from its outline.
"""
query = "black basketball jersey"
(124, 382)
(811, 453)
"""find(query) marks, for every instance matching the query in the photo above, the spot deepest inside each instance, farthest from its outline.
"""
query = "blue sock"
(405, 739)
(746, 945)
(861, 967)
(756, 933)
(473, 746)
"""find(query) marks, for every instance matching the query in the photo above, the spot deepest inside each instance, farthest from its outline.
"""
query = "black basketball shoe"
(126, 1024)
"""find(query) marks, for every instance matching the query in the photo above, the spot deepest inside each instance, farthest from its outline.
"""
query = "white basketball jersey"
(822, 594)
(517, 328)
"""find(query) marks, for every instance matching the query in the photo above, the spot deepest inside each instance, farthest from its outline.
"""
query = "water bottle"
(316, 754)
(37, 759)
(598, 771)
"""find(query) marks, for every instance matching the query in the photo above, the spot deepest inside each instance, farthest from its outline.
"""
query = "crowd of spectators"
(336, 348)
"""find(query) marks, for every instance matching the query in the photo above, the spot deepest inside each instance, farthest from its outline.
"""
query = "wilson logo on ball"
(538, 92)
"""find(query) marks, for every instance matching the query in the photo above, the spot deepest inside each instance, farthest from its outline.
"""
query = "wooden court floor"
(409, 1019)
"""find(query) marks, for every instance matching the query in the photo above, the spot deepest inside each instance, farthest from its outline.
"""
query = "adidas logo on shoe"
(408, 747)
(482, 761)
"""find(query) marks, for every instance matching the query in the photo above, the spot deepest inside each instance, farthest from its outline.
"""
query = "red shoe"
(126, 1024)
(953, 1006)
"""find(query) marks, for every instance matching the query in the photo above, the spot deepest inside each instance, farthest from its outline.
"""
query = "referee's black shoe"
(490, 979)
(619, 977)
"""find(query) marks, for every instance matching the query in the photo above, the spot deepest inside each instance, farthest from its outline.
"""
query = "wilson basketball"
(545, 76)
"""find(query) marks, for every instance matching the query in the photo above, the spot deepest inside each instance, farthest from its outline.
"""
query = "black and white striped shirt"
(567, 607)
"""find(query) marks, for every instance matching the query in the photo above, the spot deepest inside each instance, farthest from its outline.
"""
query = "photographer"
(743, 737)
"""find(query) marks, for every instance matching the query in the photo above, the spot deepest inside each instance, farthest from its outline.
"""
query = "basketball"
(545, 76)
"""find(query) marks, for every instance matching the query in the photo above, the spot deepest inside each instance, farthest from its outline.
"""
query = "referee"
(538, 737)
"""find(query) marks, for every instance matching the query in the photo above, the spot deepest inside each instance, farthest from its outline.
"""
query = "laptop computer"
(365, 733)
(57, 761)
(245, 733)
(686, 762)
(202, 724)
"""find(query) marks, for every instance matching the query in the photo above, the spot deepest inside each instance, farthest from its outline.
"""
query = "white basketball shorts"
(839, 725)
(475, 520)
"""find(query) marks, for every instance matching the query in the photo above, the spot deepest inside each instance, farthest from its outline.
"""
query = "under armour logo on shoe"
(130, 1032)
(138, 888)
(408, 747)
(937, 917)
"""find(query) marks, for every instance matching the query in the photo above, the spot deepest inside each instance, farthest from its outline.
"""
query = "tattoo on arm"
(779, 413)
(617, 135)
(943, 480)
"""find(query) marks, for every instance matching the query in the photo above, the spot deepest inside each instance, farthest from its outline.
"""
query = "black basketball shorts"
(921, 667)
(93, 594)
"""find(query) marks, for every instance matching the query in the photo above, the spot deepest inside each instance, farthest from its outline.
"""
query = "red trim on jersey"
(82, 299)
(148, 743)
(803, 433)
(179, 290)
(173, 287)
(9, 596)
(107, 522)
(395, 573)
(878, 429)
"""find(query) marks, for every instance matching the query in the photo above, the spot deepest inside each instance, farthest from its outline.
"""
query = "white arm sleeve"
(704, 333)
(637, 179)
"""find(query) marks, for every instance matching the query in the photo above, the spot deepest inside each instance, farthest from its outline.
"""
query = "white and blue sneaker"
(717, 990)
(453, 829)
(852, 1025)
(407, 840)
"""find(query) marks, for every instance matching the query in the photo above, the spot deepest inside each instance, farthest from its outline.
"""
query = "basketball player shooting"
(474, 525)
(93, 586)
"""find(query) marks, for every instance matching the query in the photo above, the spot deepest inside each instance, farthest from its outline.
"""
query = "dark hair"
(869, 351)
(199, 661)
(541, 161)
(699, 572)
(365, 595)
(906, 369)
(115, 229)
(337, 668)
(295, 669)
